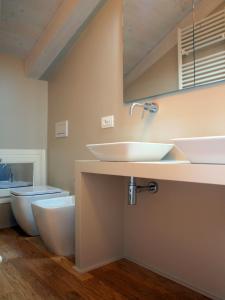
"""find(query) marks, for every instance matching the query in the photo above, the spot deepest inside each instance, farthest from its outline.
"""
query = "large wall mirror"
(172, 45)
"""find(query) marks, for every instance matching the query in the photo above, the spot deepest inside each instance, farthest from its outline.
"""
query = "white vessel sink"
(207, 150)
(130, 151)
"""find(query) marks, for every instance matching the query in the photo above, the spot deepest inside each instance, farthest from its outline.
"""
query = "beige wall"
(186, 220)
(182, 236)
(86, 86)
(23, 107)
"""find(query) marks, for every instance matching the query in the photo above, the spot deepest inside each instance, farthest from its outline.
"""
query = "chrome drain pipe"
(133, 189)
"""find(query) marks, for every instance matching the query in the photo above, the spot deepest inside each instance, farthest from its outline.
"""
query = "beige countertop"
(164, 170)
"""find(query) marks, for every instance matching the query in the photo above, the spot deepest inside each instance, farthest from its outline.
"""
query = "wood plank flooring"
(29, 271)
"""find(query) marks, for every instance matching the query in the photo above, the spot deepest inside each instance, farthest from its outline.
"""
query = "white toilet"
(21, 199)
(55, 220)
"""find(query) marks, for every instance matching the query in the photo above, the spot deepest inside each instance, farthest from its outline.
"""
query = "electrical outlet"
(107, 121)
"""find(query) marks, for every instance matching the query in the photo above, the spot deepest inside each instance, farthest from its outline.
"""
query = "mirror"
(165, 51)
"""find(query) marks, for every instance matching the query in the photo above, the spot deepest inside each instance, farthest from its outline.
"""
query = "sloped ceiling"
(22, 23)
(38, 31)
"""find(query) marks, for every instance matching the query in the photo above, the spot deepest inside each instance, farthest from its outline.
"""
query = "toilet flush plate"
(61, 129)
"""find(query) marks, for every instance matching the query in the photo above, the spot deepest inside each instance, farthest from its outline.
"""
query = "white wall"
(23, 107)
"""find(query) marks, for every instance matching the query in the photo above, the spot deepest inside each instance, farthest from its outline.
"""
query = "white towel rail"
(204, 34)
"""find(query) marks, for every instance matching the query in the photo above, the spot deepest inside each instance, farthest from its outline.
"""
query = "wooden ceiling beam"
(68, 20)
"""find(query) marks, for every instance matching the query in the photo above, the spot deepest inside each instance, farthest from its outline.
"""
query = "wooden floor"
(29, 271)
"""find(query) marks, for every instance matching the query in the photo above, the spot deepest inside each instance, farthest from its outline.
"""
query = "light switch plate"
(107, 122)
(61, 129)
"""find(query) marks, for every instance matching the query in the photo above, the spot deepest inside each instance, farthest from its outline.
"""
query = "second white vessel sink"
(205, 150)
(130, 151)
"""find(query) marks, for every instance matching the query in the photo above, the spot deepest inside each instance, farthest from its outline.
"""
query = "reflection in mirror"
(209, 44)
(16, 172)
(159, 42)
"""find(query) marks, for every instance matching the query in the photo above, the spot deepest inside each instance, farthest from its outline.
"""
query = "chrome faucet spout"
(147, 106)
(133, 105)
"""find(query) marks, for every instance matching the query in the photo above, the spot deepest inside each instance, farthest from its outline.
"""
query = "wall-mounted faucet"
(147, 106)
(133, 189)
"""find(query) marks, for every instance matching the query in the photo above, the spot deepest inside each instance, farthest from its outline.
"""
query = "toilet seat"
(21, 200)
(35, 190)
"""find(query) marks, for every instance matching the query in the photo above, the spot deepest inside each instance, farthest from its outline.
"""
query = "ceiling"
(22, 23)
(146, 23)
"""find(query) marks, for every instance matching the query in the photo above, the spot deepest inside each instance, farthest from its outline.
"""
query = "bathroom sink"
(130, 151)
(208, 149)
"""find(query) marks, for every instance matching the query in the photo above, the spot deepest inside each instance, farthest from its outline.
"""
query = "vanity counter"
(101, 190)
(163, 170)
